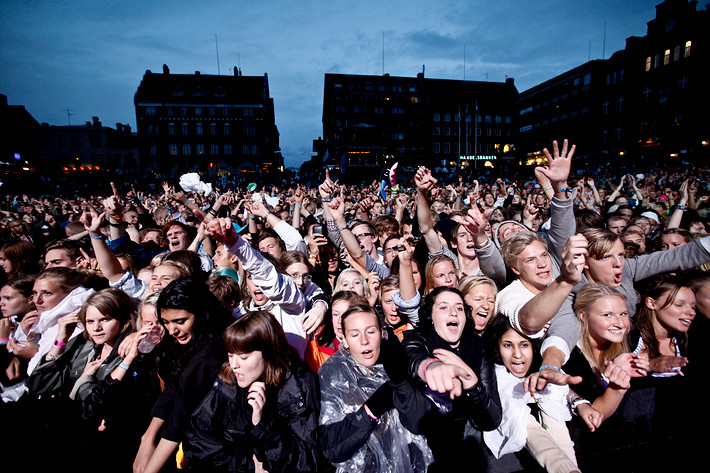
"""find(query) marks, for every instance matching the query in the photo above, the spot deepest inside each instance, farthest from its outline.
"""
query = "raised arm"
(425, 183)
(110, 265)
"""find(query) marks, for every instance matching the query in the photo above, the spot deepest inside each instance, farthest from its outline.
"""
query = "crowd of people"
(553, 323)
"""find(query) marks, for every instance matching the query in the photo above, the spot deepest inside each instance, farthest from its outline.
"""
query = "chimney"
(165, 69)
(119, 128)
(197, 73)
(236, 72)
(96, 123)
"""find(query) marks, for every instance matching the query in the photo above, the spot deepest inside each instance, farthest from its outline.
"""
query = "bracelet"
(548, 187)
(297, 206)
(566, 189)
(484, 244)
(551, 367)
(3, 341)
(117, 219)
(60, 344)
(116, 225)
(575, 404)
(326, 200)
(124, 366)
(343, 228)
(433, 360)
(682, 207)
(98, 237)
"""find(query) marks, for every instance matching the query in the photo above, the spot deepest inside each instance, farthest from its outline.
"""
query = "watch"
(574, 404)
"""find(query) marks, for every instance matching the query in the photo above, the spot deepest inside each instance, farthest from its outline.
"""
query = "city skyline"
(90, 58)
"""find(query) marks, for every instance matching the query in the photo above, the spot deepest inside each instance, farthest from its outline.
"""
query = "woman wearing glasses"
(298, 267)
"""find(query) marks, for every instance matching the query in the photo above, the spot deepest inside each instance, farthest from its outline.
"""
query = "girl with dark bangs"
(263, 408)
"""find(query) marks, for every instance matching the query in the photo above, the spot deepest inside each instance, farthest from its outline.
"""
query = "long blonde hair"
(585, 300)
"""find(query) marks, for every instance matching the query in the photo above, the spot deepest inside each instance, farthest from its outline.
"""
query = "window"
(254, 149)
(169, 111)
(171, 129)
(657, 61)
(198, 129)
(245, 149)
(498, 119)
(436, 117)
(667, 57)
(184, 111)
(187, 149)
(185, 129)
(213, 129)
(648, 63)
(227, 129)
(447, 131)
(173, 150)
(447, 117)
(488, 119)
(397, 111)
(249, 130)
(214, 149)
(676, 53)
(225, 112)
(153, 150)
(437, 131)
(447, 147)
(227, 149)
(687, 48)
(150, 111)
(379, 110)
(200, 149)
(248, 112)
(213, 111)
(437, 147)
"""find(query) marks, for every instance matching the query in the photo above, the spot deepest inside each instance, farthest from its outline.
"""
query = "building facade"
(646, 102)
(214, 124)
(371, 122)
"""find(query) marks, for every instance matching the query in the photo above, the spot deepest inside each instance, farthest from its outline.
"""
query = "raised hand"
(559, 163)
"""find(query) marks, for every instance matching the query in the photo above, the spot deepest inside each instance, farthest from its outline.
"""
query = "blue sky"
(89, 56)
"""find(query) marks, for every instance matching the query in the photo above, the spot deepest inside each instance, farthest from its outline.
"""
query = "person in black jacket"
(448, 356)
(263, 407)
(189, 363)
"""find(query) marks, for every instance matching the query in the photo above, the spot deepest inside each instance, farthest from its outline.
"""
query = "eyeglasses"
(363, 235)
(301, 277)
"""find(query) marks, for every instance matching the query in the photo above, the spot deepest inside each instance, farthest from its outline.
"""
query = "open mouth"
(259, 296)
(518, 367)
(687, 321)
(367, 354)
(617, 278)
(453, 326)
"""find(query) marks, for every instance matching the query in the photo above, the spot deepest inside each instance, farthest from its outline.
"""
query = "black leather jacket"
(478, 408)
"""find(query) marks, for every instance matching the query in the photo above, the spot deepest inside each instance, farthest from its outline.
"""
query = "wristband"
(297, 206)
(343, 228)
(681, 207)
(548, 187)
(566, 189)
(575, 404)
(4, 341)
(326, 200)
(124, 366)
(434, 360)
(116, 225)
(371, 416)
(98, 237)
(551, 367)
(60, 344)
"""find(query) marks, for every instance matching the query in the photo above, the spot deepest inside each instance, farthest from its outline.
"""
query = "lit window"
(648, 63)
(687, 48)
(667, 57)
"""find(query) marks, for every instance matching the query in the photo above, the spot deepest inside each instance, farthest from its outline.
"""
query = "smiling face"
(247, 367)
(609, 268)
(162, 276)
(12, 302)
(178, 323)
(607, 320)
(482, 301)
(46, 294)
(448, 316)
(676, 315)
(362, 337)
(101, 328)
(534, 267)
(516, 352)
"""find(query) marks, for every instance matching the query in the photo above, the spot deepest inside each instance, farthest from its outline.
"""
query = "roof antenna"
(216, 45)
(604, 43)
(383, 53)
(464, 62)
(69, 114)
